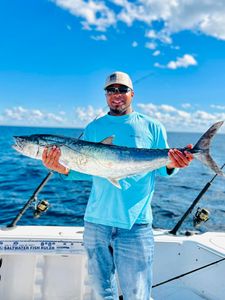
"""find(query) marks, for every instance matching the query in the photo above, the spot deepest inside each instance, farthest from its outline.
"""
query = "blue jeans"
(128, 252)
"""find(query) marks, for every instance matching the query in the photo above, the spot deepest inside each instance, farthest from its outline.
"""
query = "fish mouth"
(18, 143)
(25, 147)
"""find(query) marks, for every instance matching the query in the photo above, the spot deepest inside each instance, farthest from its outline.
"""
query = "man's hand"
(50, 159)
(179, 159)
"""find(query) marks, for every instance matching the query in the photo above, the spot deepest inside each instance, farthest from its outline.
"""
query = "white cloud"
(36, 114)
(181, 62)
(204, 116)
(68, 27)
(151, 45)
(85, 26)
(36, 117)
(134, 44)
(21, 115)
(55, 118)
(101, 37)
(213, 24)
(221, 107)
(186, 105)
(16, 113)
(175, 47)
(95, 13)
(62, 113)
(180, 120)
(129, 12)
(152, 34)
(202, 16)
(167, 108)
(186, 119)
(88, 114)
(156, 53)
(158, 65)
(162, 36)
(174, 119)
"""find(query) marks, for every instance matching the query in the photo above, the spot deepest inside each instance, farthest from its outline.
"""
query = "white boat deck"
(46, 262)
(177, 255)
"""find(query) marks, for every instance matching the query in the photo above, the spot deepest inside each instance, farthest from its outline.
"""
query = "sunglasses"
(119, 90)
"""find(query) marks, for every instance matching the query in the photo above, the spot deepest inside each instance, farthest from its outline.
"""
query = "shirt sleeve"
(161, 143)
(74, 175)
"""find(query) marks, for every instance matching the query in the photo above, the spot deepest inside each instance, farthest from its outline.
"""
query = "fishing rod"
(41, 207)
(196, 200)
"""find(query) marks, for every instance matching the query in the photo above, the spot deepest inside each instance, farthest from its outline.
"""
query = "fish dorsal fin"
(115, 182)
(108, 140)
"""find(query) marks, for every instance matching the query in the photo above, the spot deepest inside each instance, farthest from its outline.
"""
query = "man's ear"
(132, 93)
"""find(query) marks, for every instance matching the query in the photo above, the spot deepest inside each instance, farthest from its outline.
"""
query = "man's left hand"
(180, 159)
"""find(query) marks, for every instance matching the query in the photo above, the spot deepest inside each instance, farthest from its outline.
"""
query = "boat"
(49, 263)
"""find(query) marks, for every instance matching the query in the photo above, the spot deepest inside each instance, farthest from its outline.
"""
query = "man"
(118, 222)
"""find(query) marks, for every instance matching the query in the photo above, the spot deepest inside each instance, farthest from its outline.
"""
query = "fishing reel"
(201, 215)
(40, 208)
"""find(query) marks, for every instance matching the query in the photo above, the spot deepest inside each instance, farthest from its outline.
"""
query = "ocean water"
(20, 176)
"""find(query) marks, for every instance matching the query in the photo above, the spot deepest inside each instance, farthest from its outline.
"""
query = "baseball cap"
(118, 78)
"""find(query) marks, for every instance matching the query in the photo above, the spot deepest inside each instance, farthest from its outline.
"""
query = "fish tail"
(203, 145)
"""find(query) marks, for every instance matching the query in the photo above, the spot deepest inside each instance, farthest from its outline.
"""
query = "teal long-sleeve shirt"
(107, 204)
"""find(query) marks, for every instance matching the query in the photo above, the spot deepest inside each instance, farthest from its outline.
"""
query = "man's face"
(119, 100)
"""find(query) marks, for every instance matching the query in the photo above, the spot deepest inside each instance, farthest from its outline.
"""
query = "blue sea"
(20, 176)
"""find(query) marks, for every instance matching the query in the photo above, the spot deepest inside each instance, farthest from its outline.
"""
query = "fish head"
(28, 146)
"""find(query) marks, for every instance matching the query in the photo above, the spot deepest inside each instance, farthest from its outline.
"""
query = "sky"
(56, 54)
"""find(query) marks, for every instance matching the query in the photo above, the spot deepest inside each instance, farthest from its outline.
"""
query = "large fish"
(109, 161)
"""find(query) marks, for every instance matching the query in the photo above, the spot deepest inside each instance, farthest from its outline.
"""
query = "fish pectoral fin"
(108, 140)
(115, 182)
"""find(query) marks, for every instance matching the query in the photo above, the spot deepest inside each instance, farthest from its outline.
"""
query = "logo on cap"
(112, 77)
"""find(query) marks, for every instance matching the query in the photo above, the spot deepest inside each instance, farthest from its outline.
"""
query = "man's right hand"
(50, 159)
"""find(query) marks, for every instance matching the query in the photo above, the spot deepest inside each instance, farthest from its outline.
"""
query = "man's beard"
(119, 110)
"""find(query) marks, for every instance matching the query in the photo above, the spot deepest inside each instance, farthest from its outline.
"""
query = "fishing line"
(143, 78)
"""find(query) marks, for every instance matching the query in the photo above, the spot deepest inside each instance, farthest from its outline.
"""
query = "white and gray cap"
(118, 78)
